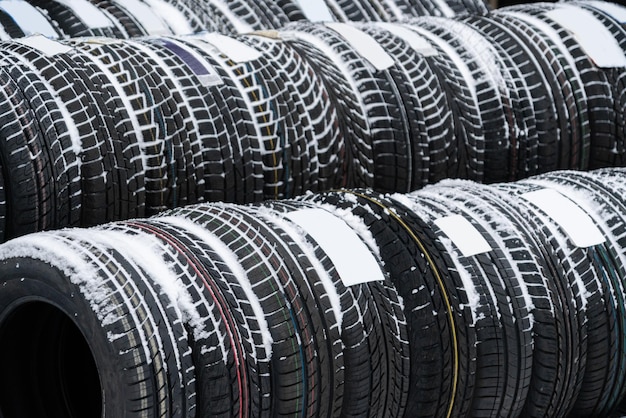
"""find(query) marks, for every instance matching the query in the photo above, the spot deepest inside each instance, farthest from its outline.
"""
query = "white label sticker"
(29, 19)
(612, 9)
(354, 262)
(576, 223)
(364, 44)
(415, 40)
(89, 14)
(232, 48)
(206, 73)
(150, 22)
(594, 38)
(316, 10)
(45, 45)
(464, 235)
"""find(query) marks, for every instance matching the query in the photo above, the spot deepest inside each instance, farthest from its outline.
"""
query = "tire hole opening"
(46, 365)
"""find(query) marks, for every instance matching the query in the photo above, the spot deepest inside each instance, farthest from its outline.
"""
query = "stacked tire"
(461, 299)
(97, 129)
(133, 18)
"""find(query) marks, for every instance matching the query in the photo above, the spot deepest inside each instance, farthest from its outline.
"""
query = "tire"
(469, 161)
(120, 331)
(190, 164)
(80, 102)
(504, 322)
(384, 150)
(490, 83)
(234, 144)
(127, 22)
(26, 187)
(406, 159)
(603, 387)
(575, 145)
(290, 163)
(317, 143)
(601, 320)
(56, 143)
(122, 153)
(225, 340)
(388, 385)
(608, 150)
(157, 127)
(325, 299)
(477, 7)
(599, 105)
(406, 9)
(281, 302)
(440, 381)
(292, 10)
(325, 53)
(351, 11)
(179, 152)
(525, 107)
(258, 15)
(265, 98)
(194, 17)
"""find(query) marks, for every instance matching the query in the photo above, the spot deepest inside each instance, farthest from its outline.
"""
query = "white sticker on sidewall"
(29, 19)
(45, 45)
(464, 235)
(594, 38)
(232, 48)
(150, 22)
(316, 10)
(364, 44)
(614, 10)
(352, 259)
(576, 223)
(88, 13)
(412, 38)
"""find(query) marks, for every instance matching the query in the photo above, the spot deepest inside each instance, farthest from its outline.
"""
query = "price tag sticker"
(574, 221)
(617, 12)
(151, 23)
(29, 19)
(316, 10)
(47, 46)
(89, 14)
(352, 259)
(464, 235)
(594, 38)
(364, 44)
(412, 38)
(232, 48)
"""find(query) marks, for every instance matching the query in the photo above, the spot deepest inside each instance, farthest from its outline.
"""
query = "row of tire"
(458, 300)
(133, 18)
(99, 129)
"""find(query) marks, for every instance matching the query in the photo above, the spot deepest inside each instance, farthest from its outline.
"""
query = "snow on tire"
(120, 326)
